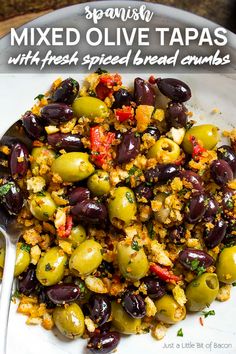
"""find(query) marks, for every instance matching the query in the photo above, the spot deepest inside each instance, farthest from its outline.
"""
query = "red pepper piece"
(197, 148)
(152, 80)
(64, 231)
(106, 83)
(125, 113)
(101, 145)
(164, 273)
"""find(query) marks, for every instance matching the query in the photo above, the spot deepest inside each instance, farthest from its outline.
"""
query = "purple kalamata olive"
(143, 192)
(227, 202)
(105, 328)
(99, 308)
(43, 298)
(78, 194)
(128, 148)
(230, 236)
(56, 113)
(212, 208)
(103, 343)
(196, 208)
(225, 152)
(143, 92)
(162, 173)
(192, 259)
(68, 142)
(27, 281)
(11, 197)
(155, 287)
(214, 236)
(176, 233)
(176, 115)
(19, 161)
(122, 98)
(134, 305)
(33, 125)
(174, 89)
(194, 179)
(90, 212)
(106, 268)
(221, 172)
(153, 131)
(66, 92)
(63, 293)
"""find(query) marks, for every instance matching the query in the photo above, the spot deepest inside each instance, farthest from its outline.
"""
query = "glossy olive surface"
(207, 134)
(122, 205)
(90, 107)
(42, 206)
(226, 265)
(66, 91)
(168, 310)
(123, 322)
(69, 320)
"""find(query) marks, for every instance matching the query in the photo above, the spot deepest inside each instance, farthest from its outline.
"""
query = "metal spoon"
(11, 232)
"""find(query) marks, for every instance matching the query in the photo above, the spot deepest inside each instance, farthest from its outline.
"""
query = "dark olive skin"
(161, 173)
(33, 125)
(13, 200)
(56, 113)
(128, 148)
(176, 233)
(221, 172)
(19, 161)
(78, 194)
(155, 287)
(215, 236)
(176, 115)
(227, 201)
(143, 191)
(99, 308)
(27, 281)
(63, 293)
(196, 208)
(122, 98)
(66, 92)
(189, 255)
(174, 89)
(90, 211)
(43, 298)
(194, 179)
(225, 152)
(143, 92)
(103, 343)
(153, 131)
(67, 142)
(212, 208)
(134, 305)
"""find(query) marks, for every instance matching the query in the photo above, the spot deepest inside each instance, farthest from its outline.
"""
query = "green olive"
(86, 258)
(123, 322)
(51, 266)
(164, 150)
(122, 205)
(73, 166)
(2, 257)
(206, 133)
(22, 259)
(69, 320)
(202, 291)
(41, 155)
(90, 107)
(133, 264)
(99, 183)
(226, 265)
(42, 206)
(77, 236)
(162, 214)
(168, 310)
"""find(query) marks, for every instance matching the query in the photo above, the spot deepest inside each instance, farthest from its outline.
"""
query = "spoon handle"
(5, 296)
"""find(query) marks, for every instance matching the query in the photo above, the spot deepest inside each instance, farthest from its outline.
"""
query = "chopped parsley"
(180, 333)
(230, 204)
(135, 246)
(4, 189)
(151, 232)
(39, 97)
(129, 197)
(196, 267)
(15, 295)
(92, 93)
(137, 135)
(25, 247)
(46, 215)
(74, 82)
(41, 194)
(234, 284)
(183, 191)
(48, 267)
(208, 313)
(101, 71)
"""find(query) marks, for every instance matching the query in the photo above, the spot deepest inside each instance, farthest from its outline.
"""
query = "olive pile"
(99, 211)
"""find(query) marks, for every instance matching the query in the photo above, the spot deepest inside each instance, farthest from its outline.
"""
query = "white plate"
(218, 335)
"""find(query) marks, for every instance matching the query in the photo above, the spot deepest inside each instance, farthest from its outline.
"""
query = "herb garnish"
(135, 246)
(208, 313)
(4, 189)
(129, 197)
(180, 333)
(195, 266)
(39, 97)
(101, 71)
(48, 267)
(25, 247)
